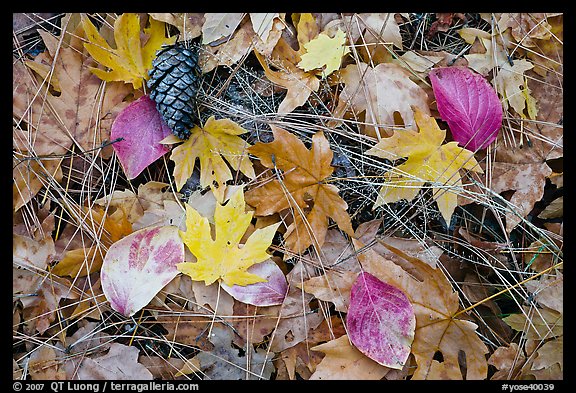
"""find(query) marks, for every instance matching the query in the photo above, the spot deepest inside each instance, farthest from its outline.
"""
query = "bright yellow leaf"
(131, 60)
(428, 161)
(324, 51)
(218, 139)
(223, 257)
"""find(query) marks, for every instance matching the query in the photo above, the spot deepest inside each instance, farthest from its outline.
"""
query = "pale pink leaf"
(380, 321)
(138, 266)
(142, 128)
(269, 293)
(469, 105)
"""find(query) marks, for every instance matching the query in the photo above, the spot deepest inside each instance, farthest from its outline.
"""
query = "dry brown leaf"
(549, 54)
(297, 321)
(311, 199)
(38, 129)
(29, 177)
(435, 305)
(299, 84)
(300, 359)
(188, 23)
(85, 108)
(378, 93)
(218, 299)
(344, 361)
(526, 28)
(32, 254)
(548, 362)
(548, 291)
(164, 369)
(526, 180)
(110, 227)
(376, 28)
(537, 323)
(120, 363)
(44, 365)
(252, 324)
(219, 25)
(40, 310)
(508, 360)
(333, 286)
(367, 234)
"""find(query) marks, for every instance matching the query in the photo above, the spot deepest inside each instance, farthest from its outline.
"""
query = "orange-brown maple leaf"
(303, 188)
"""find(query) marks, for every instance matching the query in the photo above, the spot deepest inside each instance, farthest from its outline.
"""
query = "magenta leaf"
(142, 128)
(380, 321)
(269, 293)
(469, 105)
(138, 266)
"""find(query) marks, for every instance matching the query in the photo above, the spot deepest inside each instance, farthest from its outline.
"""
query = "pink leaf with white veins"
(138, 266)
(469, 104)
(380, 321)
(269, 293)
(142, 128)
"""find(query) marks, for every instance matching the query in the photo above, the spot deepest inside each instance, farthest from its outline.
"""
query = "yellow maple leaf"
(131, 60)
(428, 161)
(217, 139)
(324, 51)
(223, 257)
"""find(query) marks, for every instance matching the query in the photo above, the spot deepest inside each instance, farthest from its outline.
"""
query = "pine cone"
(174, 80)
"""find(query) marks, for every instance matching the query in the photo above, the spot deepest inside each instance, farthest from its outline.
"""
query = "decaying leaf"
(81, 113)
(131, 60)
(380, 321)
(219, 25)
(537, 323)
(215, 141)
(344, 361)
(377, 93)
(44, 365)
(188, 23)
(299, 84)
(429, 160)
(333, 286)
(302, 189)
(548, 361)
(138, 266)
(508, 360)
(29, 177)
(225, 361)
(221, 257)
(120, 363)
(297, 320)
(109, 227)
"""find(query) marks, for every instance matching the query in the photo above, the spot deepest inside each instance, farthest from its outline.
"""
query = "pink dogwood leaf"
(469, 105)
(138, 266)
(380, 321)
(142, 128)
(269, 293)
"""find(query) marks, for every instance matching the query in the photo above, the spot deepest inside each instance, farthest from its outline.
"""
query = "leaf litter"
(336, 164)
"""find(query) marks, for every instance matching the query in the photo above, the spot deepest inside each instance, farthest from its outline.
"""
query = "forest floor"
(320, 221)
